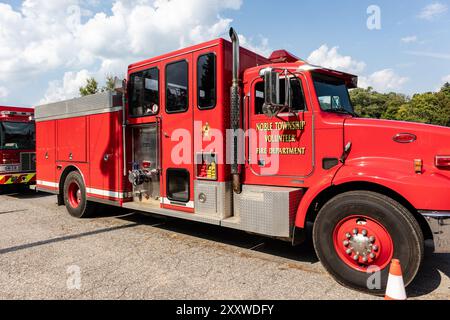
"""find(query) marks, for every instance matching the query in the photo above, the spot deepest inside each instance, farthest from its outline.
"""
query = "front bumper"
(439, 222)
(17, 178)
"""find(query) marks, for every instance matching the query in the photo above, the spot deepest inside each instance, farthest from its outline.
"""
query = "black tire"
(85, 209)
(403, 228)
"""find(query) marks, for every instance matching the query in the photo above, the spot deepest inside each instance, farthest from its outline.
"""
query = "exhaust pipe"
(235, 113)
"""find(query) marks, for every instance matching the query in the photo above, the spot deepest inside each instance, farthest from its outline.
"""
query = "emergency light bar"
(4, 114)
(15, 113)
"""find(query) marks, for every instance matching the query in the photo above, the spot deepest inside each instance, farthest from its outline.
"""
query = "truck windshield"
(332, 93)
(17, 136)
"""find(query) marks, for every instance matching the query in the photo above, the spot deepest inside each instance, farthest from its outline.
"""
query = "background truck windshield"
(17, 136)
(332, 93)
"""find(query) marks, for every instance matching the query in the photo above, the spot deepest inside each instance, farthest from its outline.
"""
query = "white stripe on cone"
(395, 288)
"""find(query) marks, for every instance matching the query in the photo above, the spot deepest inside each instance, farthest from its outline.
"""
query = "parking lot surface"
(46, 254)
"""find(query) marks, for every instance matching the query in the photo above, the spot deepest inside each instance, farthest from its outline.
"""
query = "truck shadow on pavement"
(429, 277)
(22, 193)
(427, 281)
(64, 238)
(220, 235)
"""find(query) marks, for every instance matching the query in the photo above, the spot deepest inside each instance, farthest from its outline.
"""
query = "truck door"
(177, 134)
(281, 146)
(46, 155)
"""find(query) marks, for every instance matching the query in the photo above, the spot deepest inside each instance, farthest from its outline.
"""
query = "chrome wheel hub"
(360, 245)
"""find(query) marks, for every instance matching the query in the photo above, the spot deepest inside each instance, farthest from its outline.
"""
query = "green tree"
(91, 87)
(430, 107)
(110, 84)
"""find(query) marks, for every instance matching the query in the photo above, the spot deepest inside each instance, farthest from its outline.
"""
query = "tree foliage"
(430, 107)
(92, 86)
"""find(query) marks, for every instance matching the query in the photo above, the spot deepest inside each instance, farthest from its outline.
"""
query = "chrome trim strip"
(169, 202)
(47, 184)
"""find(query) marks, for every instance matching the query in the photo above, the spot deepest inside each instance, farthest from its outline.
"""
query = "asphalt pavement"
(46, 254)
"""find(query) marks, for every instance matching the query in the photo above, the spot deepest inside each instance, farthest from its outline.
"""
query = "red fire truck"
(17, 146)
(282, 151)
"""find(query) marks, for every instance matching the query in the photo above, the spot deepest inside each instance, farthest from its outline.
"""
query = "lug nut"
(365, 259)
(348, 235)
(356, 257)
(375, 248)
(355, 231)
(364, 233)
(346, 243)
(372, 256)
(349, 251)
(372, 239)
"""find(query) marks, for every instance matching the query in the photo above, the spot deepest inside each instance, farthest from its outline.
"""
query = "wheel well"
(329, 193)
(62, 180)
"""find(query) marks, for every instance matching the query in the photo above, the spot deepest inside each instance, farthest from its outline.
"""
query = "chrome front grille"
(28, 161)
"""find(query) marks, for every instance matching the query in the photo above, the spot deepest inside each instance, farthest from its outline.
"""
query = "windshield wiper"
(344, 111)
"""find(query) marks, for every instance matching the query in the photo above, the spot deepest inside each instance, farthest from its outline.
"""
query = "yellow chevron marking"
(13, 178)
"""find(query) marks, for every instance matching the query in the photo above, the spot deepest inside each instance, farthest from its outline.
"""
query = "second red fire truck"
(17, 147)
(218, 134)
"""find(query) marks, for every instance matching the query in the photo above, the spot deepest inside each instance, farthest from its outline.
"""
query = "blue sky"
(46, 56)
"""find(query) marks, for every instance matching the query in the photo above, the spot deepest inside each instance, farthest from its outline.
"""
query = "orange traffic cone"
(395, 287)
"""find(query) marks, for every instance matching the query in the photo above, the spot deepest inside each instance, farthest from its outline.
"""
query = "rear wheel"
(75, 196)
(359, 232)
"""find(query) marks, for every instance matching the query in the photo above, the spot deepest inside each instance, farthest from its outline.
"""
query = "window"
(298, 99)
(144, 88)
(178, 185)
(332, 93)
(17, 136)
(177, 94)
(206, 81)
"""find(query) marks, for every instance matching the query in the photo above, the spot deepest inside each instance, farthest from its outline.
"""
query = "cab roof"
(303, 66)
(16, 109)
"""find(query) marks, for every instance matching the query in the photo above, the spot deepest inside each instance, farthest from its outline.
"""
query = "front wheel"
(358, 233)
(75, 197)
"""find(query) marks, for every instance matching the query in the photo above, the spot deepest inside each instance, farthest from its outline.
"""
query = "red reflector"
(146, 164)
(443, 161)
(405, 138)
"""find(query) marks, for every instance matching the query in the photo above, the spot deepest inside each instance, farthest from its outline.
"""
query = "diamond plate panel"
(216, 198)
(267, 210)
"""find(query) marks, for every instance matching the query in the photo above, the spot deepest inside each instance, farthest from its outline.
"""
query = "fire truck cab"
(218, 134)
(17, 146)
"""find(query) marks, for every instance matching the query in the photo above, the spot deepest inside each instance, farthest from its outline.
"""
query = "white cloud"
(435, 55)
(261, 48)
(383, 81)
(433, 10)
(43, 37)
(67, 88)
(331, 58)
(4, 92)
(409, 39)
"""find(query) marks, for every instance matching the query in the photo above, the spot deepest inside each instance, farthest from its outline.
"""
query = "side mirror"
(272, 87)
(271, 92)
(120, 85)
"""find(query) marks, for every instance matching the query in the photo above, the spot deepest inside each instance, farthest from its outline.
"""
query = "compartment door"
(104, 131)
(46, 154)
(71, 139)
